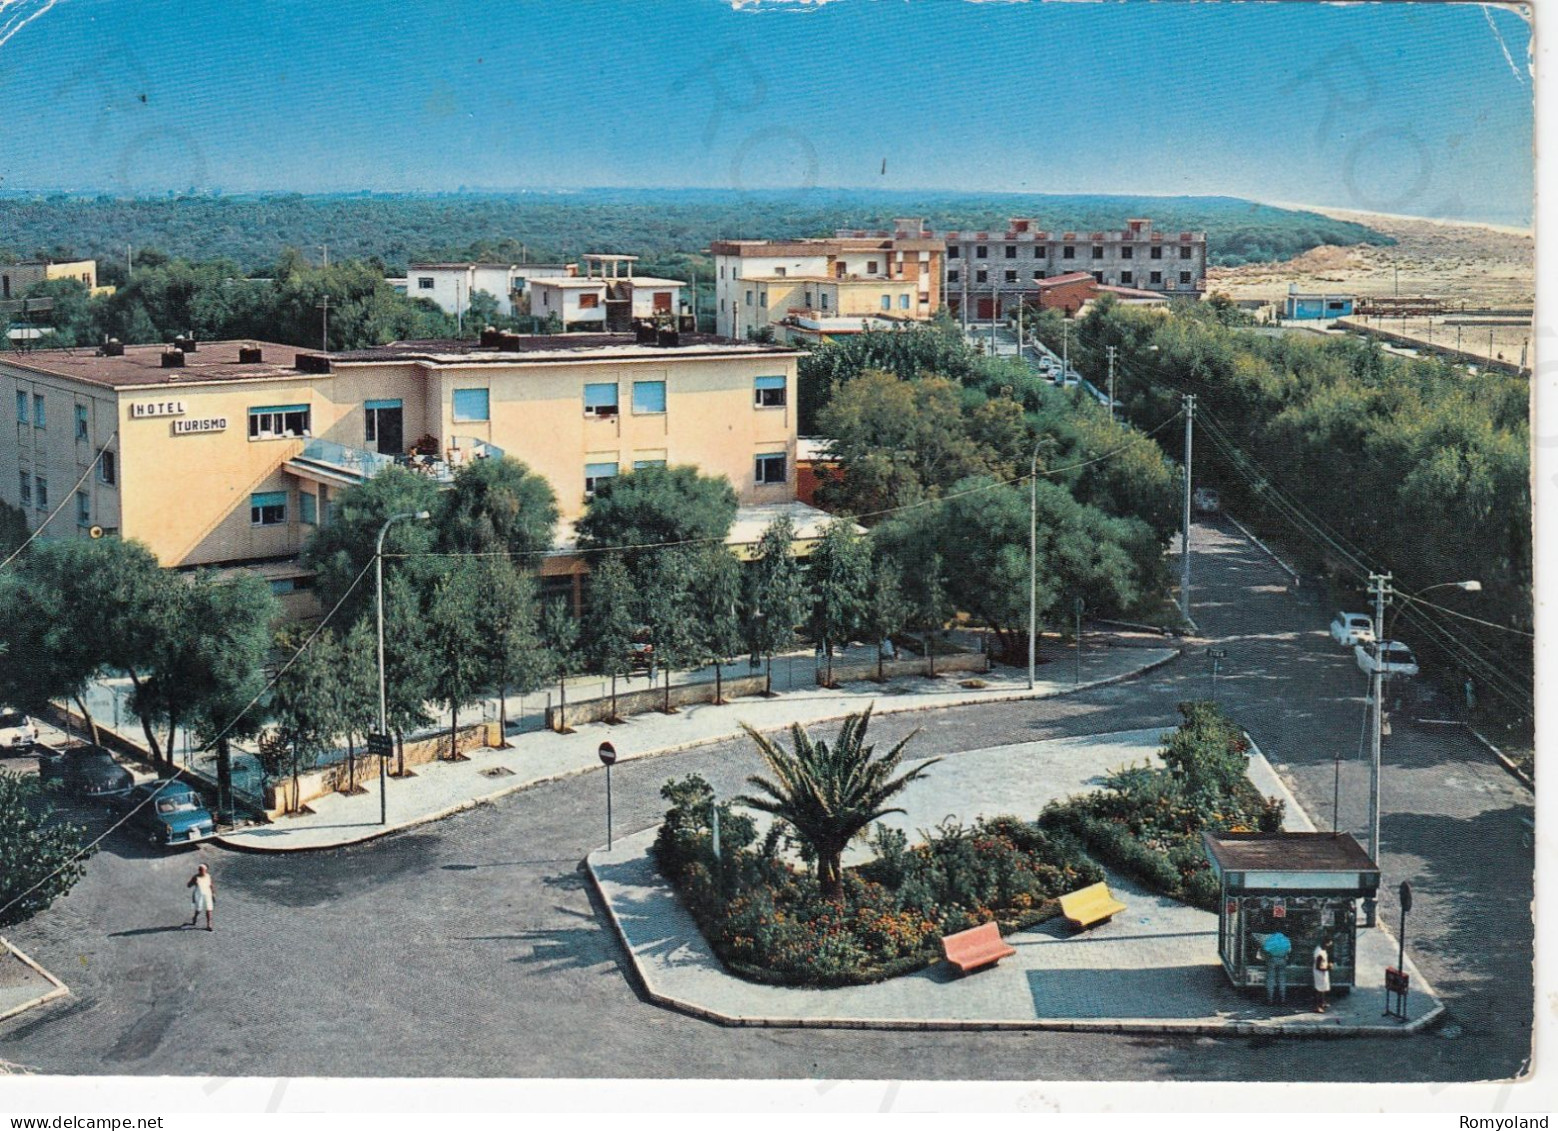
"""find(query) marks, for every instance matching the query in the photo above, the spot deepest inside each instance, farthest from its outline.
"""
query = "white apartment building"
(451, 285)
(608, 296)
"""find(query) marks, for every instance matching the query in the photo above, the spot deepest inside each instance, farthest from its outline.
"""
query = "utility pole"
(995, 310)
(1111, 383)
(1380, 583)
(1079, 607)
(1033, 563)
(1065, 349)
(324, 247)
(1184, 544)
(323, 306)
(963, 308)
(129, 260)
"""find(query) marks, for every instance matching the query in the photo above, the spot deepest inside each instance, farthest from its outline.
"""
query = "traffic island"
(1153, 968)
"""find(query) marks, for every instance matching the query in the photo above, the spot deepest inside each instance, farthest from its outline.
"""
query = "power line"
(1474, 620)
(65, 499)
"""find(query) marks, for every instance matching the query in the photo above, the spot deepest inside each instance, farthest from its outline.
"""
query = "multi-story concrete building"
(233, 453)
(608, 296)
(451, 285)
(989, 272)
(813, 289)
(16, 278)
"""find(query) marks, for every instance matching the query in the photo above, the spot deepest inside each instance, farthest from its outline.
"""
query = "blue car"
(171, 812)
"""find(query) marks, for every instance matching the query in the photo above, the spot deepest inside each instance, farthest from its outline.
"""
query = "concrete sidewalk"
(1153, 968)
(442, 788)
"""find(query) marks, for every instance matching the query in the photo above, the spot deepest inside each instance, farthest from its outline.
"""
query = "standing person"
(1276, 947)
(204, 895)
(1322, 969)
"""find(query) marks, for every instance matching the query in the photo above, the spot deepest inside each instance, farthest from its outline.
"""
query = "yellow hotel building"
(231, 453)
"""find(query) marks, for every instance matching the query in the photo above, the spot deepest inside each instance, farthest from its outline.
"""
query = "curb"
(1504, 759)
(1270, 553)
(1079, 1025)
(692, 744)
(59, 990)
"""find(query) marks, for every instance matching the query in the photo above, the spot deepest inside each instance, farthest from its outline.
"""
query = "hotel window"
(640, 464)
(824, 297)
(1068, 252)
(268, 508)
(1184, 251)
(1098, 276)
(770, 392)
(1127, 252)
(424, 283)
(648, 396)
(1126, 278)
(981, 276)
(39, 420)
(600, 399)
(83, 509)
(1098, 251)
(471, 405)
(589, 302)
(749, 298)
(762, 298)
(106, 471)
(887, 302)
(26, 492)
(770, 469)
(870, 267)
(40, 487)
(595, 474)
(1156, 253)
(953, 252)
(1040, 251)
(1011, 276)
(952, 276)
(1184, 276)
(981, 251)
(1011, 251)
(21, 407)
(1039, 274)
(308, 508)
(1156, 277)
(779, 271)
(903, 302)
(81, 422)
(272, 422)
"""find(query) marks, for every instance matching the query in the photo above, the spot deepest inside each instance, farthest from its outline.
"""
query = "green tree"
(454, 632)
(609, 621)
(560, 632)
(511, 652)
(716, 597)
(498, 504)
(829, 794)
(44, 856)
(357, 691)
(408, 661)
(776, 596)
(304, 703)
(887, 609)
(666, 583)
(839, 577)
(932, 608)
(657, 506)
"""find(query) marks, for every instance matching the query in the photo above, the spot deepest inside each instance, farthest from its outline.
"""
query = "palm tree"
(829, 794)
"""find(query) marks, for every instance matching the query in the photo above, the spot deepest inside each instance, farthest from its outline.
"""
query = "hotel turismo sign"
(140, 410)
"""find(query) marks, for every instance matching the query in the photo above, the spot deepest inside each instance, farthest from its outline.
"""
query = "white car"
(1395, 659)
(1349, 629)
(18, 733)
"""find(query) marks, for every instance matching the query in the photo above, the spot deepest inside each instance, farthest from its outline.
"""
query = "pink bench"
(976, 948)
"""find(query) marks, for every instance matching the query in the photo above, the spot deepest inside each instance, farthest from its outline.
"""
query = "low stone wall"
(649, 699)
(945, 665)
(281, 798)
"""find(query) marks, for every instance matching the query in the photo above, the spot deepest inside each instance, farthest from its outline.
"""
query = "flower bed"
(768, 920)
(1147, 823)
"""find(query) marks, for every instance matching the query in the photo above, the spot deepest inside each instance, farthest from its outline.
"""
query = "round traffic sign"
(608, 753)
(1406, 896)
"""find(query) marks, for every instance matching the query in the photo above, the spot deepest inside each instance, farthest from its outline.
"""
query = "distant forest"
(660, 225)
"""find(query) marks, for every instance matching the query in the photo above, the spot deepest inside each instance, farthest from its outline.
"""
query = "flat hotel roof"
(217, 362)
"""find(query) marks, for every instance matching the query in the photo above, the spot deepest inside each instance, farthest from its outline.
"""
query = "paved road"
(473, 947)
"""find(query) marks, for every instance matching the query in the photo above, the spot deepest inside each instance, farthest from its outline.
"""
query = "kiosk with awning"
(1304, 884)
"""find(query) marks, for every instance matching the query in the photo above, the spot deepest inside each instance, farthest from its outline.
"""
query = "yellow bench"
(1089, 906)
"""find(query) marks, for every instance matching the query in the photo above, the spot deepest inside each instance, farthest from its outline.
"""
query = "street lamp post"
(1033, 564)
(378, 578)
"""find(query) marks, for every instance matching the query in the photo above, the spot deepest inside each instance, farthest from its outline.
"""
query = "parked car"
(18, 733)
(1206, 500)
(87, 772)
(1349, 629)
(1395, 658)
(170, 812)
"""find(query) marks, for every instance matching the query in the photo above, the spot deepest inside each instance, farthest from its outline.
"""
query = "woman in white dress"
(1322, 969)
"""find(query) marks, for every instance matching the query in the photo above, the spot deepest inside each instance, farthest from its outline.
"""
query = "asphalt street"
(473, 947)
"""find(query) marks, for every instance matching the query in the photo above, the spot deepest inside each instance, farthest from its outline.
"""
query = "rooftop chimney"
(250, 355)
(173, 359)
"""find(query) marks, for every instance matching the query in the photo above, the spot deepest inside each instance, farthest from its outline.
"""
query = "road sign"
(608, 753)
(1406, 897)
(381, 744)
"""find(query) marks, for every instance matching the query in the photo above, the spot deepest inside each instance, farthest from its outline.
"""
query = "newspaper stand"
(1304, 884)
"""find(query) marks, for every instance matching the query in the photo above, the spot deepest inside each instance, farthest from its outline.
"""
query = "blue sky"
(1410, 108)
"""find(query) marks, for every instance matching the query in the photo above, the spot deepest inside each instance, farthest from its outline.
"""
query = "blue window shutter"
(268, 499)
(382, 404)
(601, 395)
(471, 404)
(770, 382)
(599, 470)
(648, 396)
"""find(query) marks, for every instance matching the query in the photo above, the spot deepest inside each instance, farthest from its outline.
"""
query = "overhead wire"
(65, 499)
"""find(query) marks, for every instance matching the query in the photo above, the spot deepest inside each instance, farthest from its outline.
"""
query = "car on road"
(1350, 629)
(170, 812)
(87, 772)
(1395, 658)
(18, 733)
(1206, 500)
